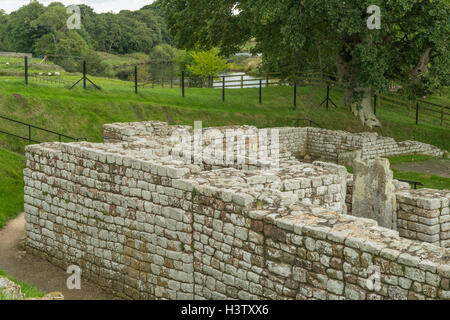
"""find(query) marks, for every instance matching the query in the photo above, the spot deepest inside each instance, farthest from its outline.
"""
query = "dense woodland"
(42, 30)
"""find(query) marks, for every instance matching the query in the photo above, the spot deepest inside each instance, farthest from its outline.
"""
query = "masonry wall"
(154, 229)
(331, 145)
(424, 215)
(340, 146)
(328, 144)
(120, 220)
(251, 148)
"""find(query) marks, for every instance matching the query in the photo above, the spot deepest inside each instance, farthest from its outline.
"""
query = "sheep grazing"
(49, 73)
(7, 63)
(57, 74)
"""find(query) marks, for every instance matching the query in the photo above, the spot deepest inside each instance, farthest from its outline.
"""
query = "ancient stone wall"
(251, 148)
(341, 146)
(424, 215)
(146, 226)
(330, 145)
(374, 192)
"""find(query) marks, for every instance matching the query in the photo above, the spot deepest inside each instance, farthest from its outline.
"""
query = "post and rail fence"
(412, 182)
(297, 122)
(29, 137)
(423, 111)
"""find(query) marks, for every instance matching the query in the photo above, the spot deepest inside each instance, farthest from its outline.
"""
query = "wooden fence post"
(295, 95)
(223, 89)
(417, 112)
(375, 104)
(84, 74)
(135, 80)
(26, 70)
(260, 91)
(182, 83)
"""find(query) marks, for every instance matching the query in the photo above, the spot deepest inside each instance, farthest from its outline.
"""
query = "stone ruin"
(143, 224)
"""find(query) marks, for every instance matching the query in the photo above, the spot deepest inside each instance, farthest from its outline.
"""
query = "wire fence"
(420, 110)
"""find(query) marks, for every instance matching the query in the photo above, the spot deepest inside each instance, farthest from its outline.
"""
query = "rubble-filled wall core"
(145, 226)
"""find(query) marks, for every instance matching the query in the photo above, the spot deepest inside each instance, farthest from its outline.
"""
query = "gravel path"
(38, 272)
(438, 167)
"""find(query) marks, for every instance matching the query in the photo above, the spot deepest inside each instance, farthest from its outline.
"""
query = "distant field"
(17, 65)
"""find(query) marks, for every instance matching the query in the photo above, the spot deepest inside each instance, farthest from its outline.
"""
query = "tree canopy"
(410, 48)
(40, 29)
(207, 63)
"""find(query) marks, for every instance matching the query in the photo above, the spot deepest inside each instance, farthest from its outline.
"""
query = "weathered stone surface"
(144, 227)
(374, 193)
(9, 290)
(422, 215)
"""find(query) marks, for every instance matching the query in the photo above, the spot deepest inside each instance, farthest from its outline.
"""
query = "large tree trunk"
(347, 96)
(363, 109)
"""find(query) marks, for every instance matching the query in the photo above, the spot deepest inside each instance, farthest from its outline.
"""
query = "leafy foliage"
(411, 48)
(207, 63)
(43, 30)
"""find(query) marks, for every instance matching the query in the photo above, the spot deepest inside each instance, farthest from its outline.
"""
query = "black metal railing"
(414, 183)
(29, 138)
(297, 122)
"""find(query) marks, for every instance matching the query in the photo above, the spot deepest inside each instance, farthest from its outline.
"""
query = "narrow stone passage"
(38, 272)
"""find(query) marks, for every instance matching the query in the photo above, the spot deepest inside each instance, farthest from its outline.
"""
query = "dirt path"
(438, 167)
(37, 272)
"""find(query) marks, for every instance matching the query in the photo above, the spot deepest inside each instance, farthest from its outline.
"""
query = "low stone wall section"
(145, 227)
(424, 215)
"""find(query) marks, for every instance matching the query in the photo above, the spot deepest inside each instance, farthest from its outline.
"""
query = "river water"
(234, 80)
(238, 80)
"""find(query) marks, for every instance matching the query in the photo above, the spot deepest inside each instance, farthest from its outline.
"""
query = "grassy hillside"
(81, 113)
(11, 185)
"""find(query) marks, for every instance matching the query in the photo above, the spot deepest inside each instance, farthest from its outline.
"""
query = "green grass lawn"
(409, 158)
(28, 290)
(428, 180)
(11, 185)
(81, 113)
